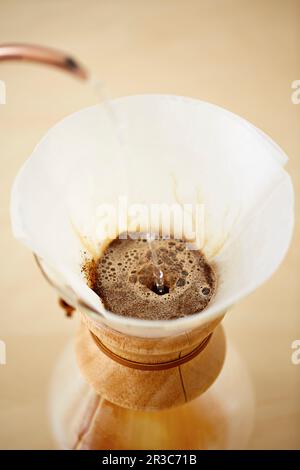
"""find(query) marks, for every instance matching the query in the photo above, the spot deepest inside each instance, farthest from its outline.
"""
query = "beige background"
(240, 54)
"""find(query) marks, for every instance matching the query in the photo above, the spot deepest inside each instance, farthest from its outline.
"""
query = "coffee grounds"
(123, 277)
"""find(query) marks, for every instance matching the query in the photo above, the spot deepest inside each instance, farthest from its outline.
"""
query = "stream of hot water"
(103, 96)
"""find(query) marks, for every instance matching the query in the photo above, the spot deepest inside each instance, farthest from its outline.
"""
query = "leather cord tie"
(151, 366)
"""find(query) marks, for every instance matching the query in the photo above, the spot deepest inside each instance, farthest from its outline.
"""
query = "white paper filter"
(178, 150)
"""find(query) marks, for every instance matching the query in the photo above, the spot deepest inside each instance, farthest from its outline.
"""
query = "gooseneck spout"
(43, 55)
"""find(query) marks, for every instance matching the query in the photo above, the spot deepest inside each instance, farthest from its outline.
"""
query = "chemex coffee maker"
(138, 383)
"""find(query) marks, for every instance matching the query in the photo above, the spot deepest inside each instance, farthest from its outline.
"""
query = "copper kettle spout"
(42, 55)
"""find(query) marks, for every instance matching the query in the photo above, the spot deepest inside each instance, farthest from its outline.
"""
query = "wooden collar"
(151, 366)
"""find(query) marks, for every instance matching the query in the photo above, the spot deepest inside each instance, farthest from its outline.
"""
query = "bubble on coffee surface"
(124, 279)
